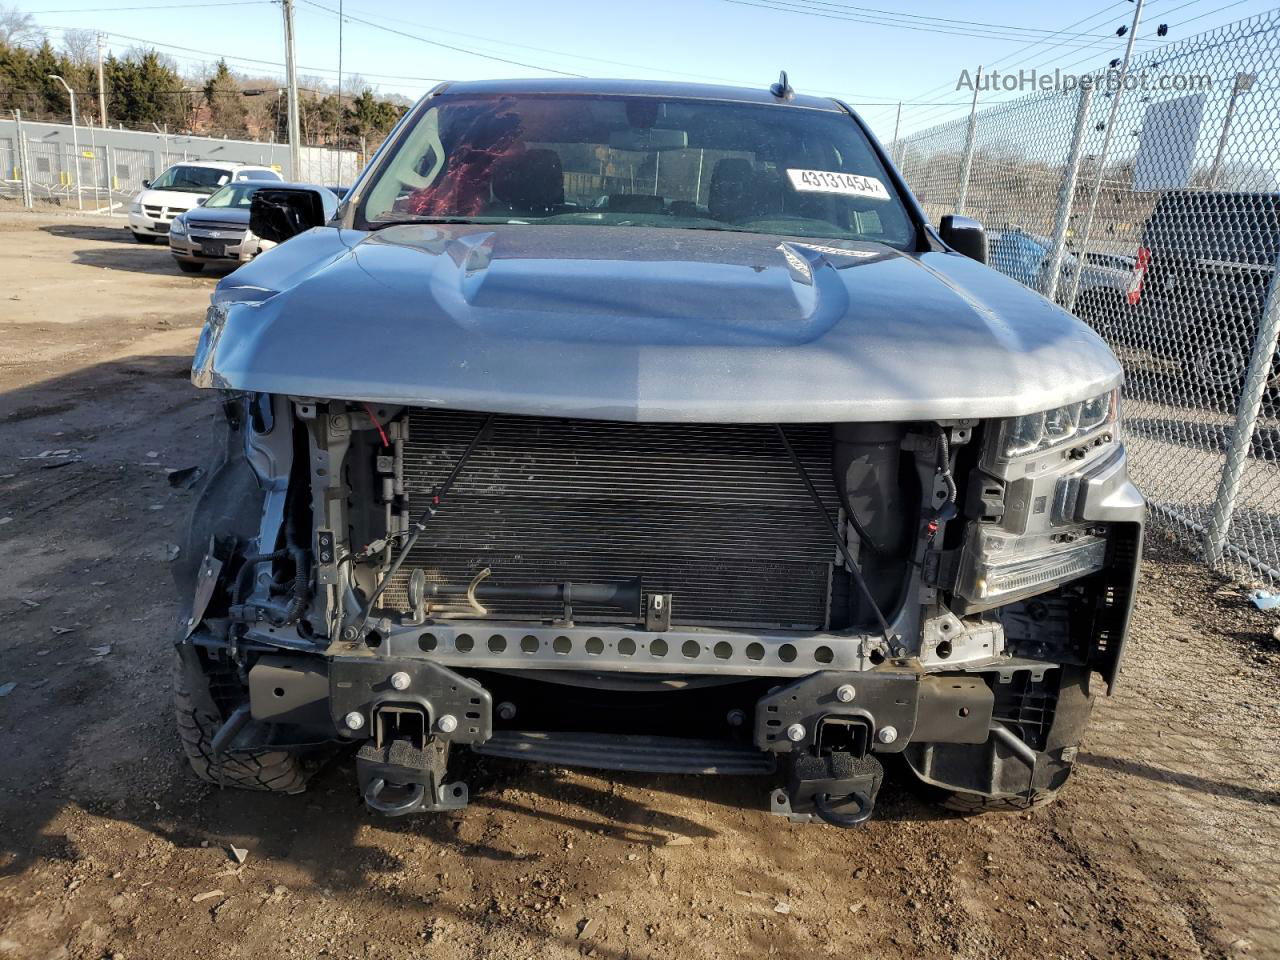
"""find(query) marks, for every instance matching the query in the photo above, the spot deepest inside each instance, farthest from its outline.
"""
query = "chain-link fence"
(1167, 245)
(100, 171)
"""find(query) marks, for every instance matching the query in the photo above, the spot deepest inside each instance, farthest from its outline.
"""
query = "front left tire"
(270, 771)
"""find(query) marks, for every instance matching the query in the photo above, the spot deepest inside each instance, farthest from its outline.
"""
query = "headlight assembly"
(135, 207)
(178, 226)
(1059, 427)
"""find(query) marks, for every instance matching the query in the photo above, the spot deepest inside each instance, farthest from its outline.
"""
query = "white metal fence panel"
(98, 170)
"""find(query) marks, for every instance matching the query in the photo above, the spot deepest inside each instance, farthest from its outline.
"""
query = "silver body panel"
(644, 324)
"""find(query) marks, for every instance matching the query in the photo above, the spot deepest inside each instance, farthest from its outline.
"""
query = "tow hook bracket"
(399, 778)
(456, 708)
(788, 718)
(837, 788)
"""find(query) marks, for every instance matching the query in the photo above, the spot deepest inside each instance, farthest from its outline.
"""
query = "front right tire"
(143, 237)
(187, 267)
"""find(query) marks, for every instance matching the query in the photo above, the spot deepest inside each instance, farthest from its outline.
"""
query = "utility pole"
(75, 139)
(291, 79)
(339, 180)
(1074, 292)
(102, 89)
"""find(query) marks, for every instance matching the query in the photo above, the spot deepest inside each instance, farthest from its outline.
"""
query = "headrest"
(732, 194)
(529, 180)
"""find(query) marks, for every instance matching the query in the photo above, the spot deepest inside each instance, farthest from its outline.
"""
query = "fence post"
(24, 165)
(1255, 385)
(1112, 116)
(1067, 195)
(111, 182)
(962, 189)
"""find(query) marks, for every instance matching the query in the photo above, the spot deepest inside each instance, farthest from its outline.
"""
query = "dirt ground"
(1167, 843)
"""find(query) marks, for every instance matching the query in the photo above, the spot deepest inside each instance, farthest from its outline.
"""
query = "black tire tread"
(975, 803)
(273, 771)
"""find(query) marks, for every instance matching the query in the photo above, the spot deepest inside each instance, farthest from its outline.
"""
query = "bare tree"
(18, 29)
(80, 46)
(353, 85)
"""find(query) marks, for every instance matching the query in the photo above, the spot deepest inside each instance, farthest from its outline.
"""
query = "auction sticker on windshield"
(828, 181)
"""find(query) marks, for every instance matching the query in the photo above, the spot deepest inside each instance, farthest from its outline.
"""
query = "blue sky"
(872, 65)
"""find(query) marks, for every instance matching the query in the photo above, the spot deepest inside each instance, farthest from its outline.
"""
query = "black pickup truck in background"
(1200, 285)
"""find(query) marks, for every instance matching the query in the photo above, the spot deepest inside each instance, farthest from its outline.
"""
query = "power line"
(918, 18)
(1152, 53)
(790, 6)
(1105, 11)
(252, 60)
(1155, 52)
(648, 68)
(159, 6)
(869, 14)
(446, 46)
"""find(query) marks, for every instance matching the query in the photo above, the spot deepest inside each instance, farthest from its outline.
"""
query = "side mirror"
(200, 201)
(146, 184)
(277, 214)
(964, 235)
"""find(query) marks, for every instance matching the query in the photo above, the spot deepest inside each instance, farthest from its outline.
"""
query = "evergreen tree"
(370, 119)
(144, 90)
(227, 110)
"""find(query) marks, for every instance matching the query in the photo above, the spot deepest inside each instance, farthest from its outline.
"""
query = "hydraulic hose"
(251, 560)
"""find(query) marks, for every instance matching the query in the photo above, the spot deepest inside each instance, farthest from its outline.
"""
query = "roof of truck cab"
(636, 88)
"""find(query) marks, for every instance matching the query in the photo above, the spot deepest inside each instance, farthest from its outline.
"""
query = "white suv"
(181, 187)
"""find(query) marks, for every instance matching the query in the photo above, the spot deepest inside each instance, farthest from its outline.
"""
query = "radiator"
(715, 515)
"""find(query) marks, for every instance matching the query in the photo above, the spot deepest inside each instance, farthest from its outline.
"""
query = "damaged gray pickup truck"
(649, 427)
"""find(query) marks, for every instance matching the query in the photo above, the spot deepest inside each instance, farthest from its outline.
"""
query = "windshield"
(639, 161)
(238, 195)
(190, 179)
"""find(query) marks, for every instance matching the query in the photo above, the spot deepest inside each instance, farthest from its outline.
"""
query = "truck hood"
(644, 324)
(173, 199)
